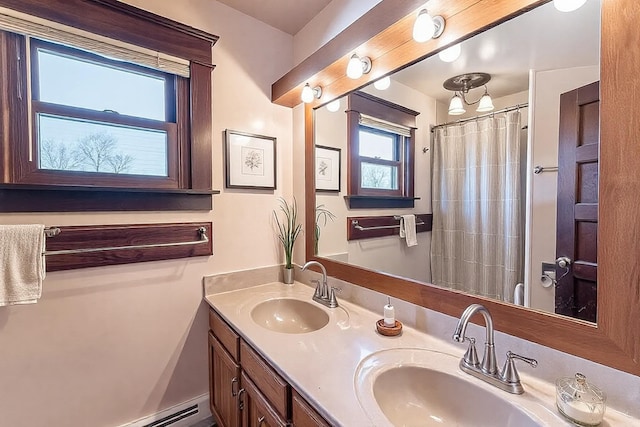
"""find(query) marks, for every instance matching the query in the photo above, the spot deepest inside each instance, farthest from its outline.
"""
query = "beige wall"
(105, 346)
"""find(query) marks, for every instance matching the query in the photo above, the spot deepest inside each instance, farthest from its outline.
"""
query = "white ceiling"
(541, 39)
(289, 16)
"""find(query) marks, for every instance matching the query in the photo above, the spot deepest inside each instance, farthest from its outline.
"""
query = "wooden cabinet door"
(256, 410)
(304, 415)
(224, 376)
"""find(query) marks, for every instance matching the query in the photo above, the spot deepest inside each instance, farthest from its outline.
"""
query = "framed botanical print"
(250, 160)
(327, 168)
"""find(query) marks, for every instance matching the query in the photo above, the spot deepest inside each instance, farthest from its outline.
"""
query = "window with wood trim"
(97, 104)
(381, 139)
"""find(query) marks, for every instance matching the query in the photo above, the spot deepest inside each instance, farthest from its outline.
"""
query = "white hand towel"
(408, 229)
(22, 266)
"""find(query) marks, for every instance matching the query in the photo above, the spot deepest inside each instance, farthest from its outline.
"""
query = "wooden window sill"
(380, 202)
(71, 198)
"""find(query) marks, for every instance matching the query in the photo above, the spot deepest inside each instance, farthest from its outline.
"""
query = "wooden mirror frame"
(615, 340)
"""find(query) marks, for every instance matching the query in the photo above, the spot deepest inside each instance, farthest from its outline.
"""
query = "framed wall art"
(327, 168)
(250, 160)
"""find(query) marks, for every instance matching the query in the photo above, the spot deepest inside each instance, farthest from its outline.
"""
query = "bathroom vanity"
(309, 365)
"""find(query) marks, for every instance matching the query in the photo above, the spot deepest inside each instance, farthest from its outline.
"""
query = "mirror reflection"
(484, 158)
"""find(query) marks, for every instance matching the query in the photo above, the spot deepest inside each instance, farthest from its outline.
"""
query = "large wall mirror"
(554, 83)
(496, 223)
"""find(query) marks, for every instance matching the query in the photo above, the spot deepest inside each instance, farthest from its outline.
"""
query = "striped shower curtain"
(477, 238)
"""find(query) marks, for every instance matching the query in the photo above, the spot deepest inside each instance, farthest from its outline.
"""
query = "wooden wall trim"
(615, 340)
(383, 15)
(392, 47)
(119, 21)
(103, 236)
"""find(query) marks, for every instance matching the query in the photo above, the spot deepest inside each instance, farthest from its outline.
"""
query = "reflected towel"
(22, 266)
(408, 229)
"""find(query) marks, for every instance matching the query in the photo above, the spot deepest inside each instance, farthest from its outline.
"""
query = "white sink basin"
(289, 316)
(413, 387)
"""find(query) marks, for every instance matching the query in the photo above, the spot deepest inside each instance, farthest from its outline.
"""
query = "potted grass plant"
(288, 231)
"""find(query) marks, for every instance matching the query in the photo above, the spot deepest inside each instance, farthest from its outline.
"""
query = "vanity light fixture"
(383, 83)
(334, 105)
(309, 94)
(568, 5)
(427, 27)
(450, 54)
(358, 66)
(461, 85)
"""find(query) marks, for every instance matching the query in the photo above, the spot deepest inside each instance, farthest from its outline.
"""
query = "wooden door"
(224, 377)
(577, 213)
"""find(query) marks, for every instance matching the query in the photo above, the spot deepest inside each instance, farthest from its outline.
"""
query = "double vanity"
(279, 358)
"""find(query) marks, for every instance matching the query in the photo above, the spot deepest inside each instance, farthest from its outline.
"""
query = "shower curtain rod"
(504, 110)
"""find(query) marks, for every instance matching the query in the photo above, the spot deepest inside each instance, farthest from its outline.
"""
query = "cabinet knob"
(260, 421)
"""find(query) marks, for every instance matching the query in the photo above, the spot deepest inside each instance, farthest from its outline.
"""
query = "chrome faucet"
(507, 379)
(323, 294)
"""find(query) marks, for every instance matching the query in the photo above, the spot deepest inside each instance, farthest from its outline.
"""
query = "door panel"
(577, 214)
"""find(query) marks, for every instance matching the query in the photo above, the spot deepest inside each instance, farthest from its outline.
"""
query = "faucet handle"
(509, 373)
(333, 302)
(471, 355)
(318, 291)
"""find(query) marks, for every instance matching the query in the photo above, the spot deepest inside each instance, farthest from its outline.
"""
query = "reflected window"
(380, 160)
(381, 152)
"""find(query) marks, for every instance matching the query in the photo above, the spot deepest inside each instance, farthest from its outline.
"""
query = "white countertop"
(322, 365)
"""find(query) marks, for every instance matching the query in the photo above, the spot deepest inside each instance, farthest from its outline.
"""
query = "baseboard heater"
(183, 415)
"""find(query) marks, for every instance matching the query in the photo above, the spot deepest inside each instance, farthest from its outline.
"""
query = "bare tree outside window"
(94, 152)
(57, 155)
(375, 177)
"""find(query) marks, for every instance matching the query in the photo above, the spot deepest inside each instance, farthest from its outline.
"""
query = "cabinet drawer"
(303, 414)
(223, 332)
(272, 386)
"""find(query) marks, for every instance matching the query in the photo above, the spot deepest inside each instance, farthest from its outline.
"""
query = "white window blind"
(31, 26)
(384, 125)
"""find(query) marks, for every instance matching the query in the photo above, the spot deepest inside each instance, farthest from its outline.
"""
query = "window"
(99, 105)
(100, 117)
(381, 145)
(380, 155)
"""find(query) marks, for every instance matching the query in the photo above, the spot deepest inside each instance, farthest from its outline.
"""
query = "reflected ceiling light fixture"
(450, 54)
(461, 85)
(427, 27)
(358, 66)
(308, 94)
(383, 83)
(334, 105)
(568, 5)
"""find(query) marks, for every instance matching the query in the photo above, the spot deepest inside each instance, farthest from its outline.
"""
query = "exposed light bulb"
(568, 5)
(486, 104)
(307, 94)
(383, 83)
(423, 28)
(450, 54)
(334, 105)
(455, 106)
(354, 68)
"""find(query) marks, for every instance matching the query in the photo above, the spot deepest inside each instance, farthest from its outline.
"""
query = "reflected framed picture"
(250, 160)
(327, 168)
